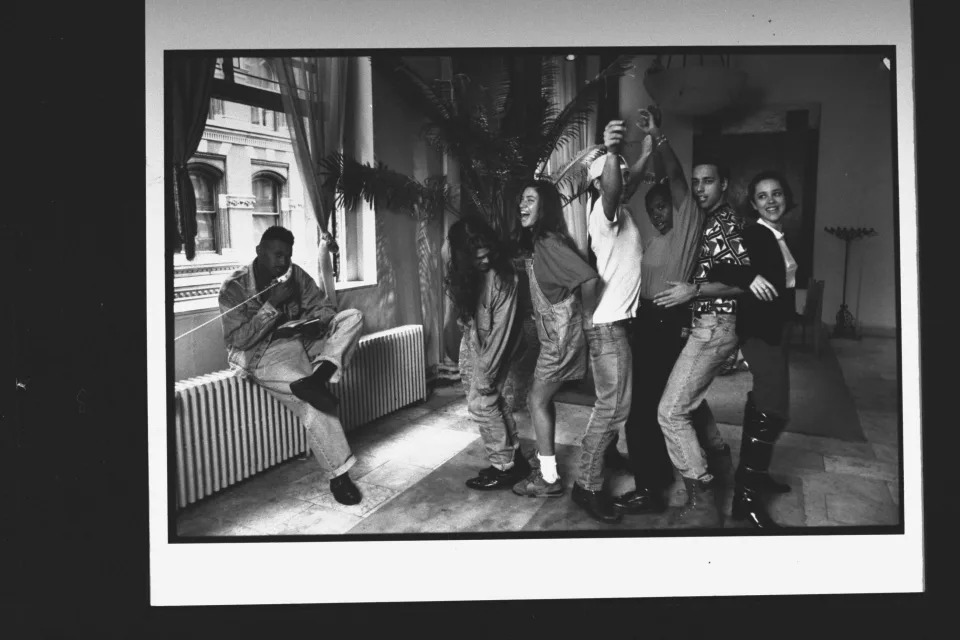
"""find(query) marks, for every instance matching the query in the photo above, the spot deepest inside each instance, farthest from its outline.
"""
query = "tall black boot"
(768, 483)
(756, 449)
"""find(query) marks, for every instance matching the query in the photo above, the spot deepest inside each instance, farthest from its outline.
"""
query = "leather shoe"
(492, 478)
(640, 501)
(315, 394)
(344, 491)
(597, 504)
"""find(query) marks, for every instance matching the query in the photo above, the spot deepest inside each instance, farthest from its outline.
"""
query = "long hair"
(464, 282)
(550, 222)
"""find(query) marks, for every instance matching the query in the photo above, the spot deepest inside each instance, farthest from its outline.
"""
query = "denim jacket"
(493, 334)
(247, 330)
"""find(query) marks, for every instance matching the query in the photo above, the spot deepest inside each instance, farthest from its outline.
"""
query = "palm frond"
(574, 175)
(565, 125)
(413, 88)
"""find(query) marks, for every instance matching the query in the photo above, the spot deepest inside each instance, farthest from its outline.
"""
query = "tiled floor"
(413, 463)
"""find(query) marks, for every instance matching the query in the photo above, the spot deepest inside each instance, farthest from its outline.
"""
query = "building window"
(206, 183)
(266, 211)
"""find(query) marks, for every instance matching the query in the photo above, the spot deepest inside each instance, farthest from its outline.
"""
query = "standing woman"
(762, 325)
(556, 273)
(482, 284)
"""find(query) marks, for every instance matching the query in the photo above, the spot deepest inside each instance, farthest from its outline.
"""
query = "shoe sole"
(538, 495)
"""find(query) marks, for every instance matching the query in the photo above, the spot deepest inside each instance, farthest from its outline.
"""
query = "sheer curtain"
(189, 84)
(314, 93)
(575, 213)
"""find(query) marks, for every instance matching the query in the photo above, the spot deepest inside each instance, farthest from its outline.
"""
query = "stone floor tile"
(886, 453)
(395, 475)
(787, 459)
(875, 469)
(852, 510)
(826, 446)
(317, 520)
(860, 487)
(374, 496)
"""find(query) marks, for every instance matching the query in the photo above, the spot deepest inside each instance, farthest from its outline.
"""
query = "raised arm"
(611, 180)
(649, 122)
(638, 168)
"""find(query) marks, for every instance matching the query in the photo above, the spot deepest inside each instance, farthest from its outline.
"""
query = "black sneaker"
(344, 491)
(492, 478)
(315, 394)
(597, 504)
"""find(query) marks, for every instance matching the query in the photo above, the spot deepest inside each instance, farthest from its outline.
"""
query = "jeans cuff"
(342, 469)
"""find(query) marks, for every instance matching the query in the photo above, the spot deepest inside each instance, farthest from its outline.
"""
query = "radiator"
(228, 429)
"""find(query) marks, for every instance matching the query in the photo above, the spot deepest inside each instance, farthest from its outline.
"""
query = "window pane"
(203, 192)
(255, 72)
(261, 223)
(205, 232)
(265, 191)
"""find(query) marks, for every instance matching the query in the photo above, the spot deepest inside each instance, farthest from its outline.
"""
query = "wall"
(855, 174)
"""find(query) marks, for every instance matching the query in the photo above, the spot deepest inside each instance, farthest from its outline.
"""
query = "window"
(206, 188)
(267, 189)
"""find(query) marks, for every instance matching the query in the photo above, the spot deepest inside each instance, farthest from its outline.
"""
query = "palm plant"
(501, 132)
(499, 139)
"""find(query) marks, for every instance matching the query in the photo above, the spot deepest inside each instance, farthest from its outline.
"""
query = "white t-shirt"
(618, 248)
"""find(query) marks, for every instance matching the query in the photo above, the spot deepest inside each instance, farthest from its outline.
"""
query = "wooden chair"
(812, 314)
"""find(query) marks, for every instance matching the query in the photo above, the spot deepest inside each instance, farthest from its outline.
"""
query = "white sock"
(548, 467)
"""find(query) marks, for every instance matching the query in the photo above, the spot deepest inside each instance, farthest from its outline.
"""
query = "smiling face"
(707, 186)
(660, 210)
(769, 200)
(529, 207)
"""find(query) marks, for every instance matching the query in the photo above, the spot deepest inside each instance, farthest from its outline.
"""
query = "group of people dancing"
(657, 318)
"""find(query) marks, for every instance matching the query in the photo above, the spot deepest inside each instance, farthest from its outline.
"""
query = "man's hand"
(649, 120)
(676, 294)
(763, 289)
(613, 135)
(281, 293)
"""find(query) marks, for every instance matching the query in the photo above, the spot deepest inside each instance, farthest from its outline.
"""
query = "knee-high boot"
(760, 432)
(770, 484)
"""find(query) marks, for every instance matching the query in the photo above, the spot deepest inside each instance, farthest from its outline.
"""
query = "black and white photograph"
(543, 288)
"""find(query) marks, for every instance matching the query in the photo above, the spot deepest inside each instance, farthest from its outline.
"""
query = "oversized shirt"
(247, 329)
(670, 257)
(494, 333)
(720, 243)
(559, 269)
(616, 243)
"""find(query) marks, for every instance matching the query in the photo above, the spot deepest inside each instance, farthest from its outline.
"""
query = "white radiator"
(228, 429)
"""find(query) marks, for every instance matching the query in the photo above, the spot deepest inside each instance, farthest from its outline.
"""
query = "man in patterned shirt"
(712, 339)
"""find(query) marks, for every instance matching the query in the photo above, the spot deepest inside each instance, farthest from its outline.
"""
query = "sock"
(324, 371)
(548, 467)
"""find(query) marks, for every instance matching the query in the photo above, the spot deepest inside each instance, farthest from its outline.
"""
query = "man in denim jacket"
(293, 363)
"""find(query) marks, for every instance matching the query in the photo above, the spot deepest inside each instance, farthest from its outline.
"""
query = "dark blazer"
(756, 318)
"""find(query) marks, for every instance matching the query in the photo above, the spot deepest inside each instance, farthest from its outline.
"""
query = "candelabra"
(846, 324)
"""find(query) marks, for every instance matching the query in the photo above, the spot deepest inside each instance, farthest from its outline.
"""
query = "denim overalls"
(563, 353)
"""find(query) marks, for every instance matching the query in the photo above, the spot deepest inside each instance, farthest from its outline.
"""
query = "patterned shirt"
(721, 241)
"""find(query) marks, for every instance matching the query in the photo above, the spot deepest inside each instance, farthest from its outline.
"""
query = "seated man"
(293, 362)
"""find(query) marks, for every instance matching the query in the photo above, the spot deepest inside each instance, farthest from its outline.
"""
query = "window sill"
(355, 284)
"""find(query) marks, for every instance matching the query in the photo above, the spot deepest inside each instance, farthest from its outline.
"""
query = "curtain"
(314, 93)
(575, 214)
(189, 84)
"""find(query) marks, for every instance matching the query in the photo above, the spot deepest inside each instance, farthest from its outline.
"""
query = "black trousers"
(770, 366)
(657, 338)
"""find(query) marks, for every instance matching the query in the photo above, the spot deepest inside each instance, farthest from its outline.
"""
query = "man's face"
(707, 186)
(660, 211)
(273, 256)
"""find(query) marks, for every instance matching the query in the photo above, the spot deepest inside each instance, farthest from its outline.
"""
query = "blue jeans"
(287, 360)
(491, 412)
(612, 364)
(712, 339)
